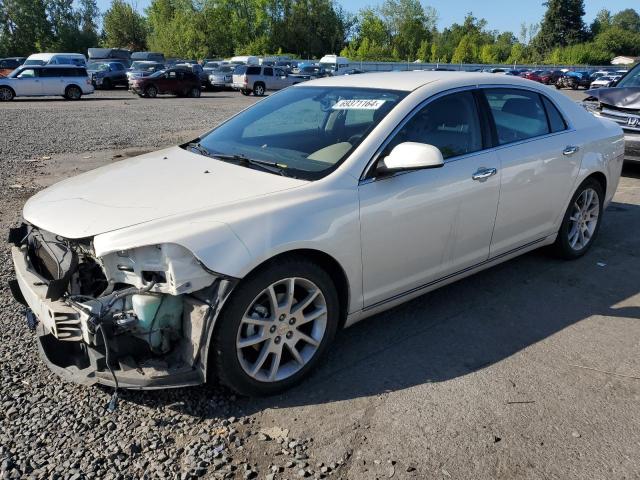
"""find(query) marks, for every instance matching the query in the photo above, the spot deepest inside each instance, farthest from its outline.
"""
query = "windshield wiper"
(198, 147)
(242, 160)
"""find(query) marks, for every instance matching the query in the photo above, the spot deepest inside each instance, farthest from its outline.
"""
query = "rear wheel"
(275, 328)
(6, 94)
(151, 91)
(581, 221)
(246, 93)
(258, 90)
(73, 93)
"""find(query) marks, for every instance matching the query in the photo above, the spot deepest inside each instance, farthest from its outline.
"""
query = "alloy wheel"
(584, 219)
(282, 329)
(6, 94)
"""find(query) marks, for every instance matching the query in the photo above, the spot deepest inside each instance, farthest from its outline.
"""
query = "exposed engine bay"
(138, 318)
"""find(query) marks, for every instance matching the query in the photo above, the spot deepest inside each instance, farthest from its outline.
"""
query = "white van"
(334, 64)
(37, 59)
(245, 60)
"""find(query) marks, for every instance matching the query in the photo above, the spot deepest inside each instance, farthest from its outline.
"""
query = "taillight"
(245, 79)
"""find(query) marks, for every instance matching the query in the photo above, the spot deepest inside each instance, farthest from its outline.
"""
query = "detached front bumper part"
(632, 147)
(79, 363)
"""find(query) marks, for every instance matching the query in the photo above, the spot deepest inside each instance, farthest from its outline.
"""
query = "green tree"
(627, 19)
(466, 51)
(124, 27)
(601, 23)
(408, 23)
(562, 25)
(24, 27)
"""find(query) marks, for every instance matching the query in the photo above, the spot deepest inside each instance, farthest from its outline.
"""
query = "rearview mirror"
(411, 156)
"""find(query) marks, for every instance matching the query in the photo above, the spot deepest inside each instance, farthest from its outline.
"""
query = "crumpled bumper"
(77, 362)
(632, 147)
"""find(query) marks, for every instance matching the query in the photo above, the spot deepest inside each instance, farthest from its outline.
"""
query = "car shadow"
(458, 329)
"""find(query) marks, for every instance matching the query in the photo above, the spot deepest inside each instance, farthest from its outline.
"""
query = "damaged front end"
(138, 319)
(621, 105)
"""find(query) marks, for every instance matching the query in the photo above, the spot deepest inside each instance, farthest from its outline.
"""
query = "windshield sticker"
(358, 104)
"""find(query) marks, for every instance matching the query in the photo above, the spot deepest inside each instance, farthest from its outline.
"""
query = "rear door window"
(518, 114)
(253, 70)
(268, 71)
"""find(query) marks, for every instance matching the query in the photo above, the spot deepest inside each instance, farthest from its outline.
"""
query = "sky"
(501, 15)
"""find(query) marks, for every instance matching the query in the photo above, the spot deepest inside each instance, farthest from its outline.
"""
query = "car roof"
(53, 66)
(409, 81)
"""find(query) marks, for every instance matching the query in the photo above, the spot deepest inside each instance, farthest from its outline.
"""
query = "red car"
(549, 77)
(173, 81)
(535, 76)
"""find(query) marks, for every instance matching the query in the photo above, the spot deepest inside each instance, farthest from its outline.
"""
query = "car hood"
(624, 97)
(146, 188)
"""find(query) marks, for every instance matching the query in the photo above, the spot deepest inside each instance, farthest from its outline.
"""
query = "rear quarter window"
(556, 120)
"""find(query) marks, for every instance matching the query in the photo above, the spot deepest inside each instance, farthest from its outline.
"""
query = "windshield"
(97, 66)
(34, 62)
(328, 66)
(631, 79)
(156, 74)
(146, 66)
(222, 70)
(307, 131)
(211, 65)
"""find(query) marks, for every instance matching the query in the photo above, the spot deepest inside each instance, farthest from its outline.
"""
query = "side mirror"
(410, 156)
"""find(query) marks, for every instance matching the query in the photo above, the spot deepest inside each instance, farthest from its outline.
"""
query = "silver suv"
(258, 79)
(70, 81)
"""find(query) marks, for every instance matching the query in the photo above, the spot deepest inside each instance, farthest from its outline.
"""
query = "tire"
(195, 93)
(246, 93)
(6, 94)
(151, 91)
(571, 243)
(250, 302)
(106, 84)
(258, 90)
(558, 86)
(73, 92)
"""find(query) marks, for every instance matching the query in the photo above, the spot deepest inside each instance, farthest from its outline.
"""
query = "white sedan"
(239, 255)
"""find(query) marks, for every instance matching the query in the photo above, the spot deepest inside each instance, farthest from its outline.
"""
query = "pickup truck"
(259, 79)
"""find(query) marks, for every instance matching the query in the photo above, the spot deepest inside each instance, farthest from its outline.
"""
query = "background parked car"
(574, 80)
(195, 68)
(550, 77)
(175, 81)
(258, 79)
(143, 68)
(148, 56)
(8, 65)
(604, 81)
(110, 55)
(107, 74)
(56, 59)
(46, 80)
(313, 71)
(220, 78)
(533, 75)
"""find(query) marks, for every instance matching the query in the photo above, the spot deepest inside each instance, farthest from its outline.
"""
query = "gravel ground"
(539, 380)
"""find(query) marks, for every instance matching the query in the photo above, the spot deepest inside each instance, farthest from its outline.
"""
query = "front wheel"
(275, 328)
(151, 92)
(106, 84)
(581, 221)
(6, 94)
(195, 93)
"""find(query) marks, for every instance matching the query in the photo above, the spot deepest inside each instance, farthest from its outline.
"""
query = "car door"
(57, 79)
(271, 83)
(167, 82)
(421, 226)
(118, 75)
(280, 78)
(27, 82)
(540, 158)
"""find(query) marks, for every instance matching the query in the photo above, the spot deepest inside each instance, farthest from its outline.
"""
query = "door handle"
(570, 150)
(483, 173)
